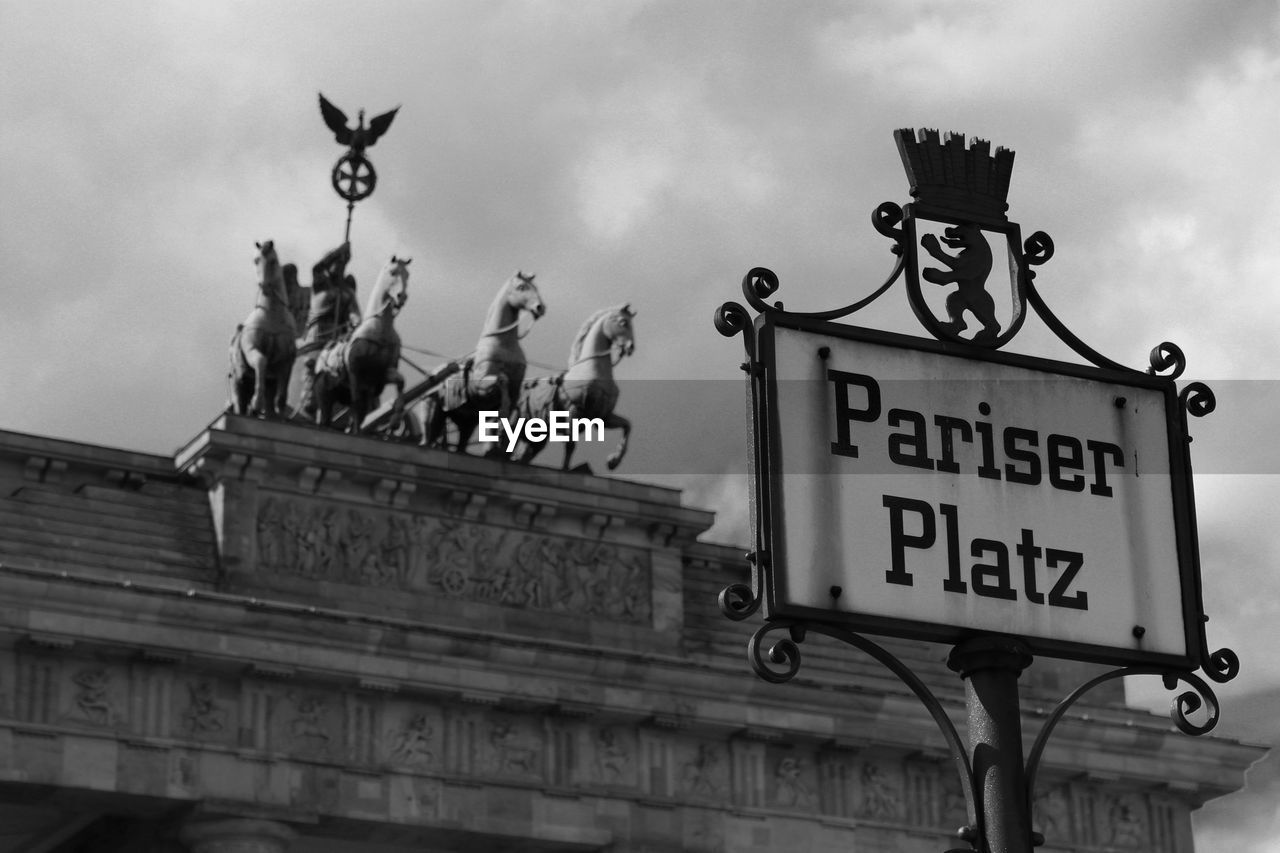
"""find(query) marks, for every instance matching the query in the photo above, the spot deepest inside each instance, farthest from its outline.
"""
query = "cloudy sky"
(650, 152)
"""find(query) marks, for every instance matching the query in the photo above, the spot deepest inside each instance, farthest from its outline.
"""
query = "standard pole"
(990, 667)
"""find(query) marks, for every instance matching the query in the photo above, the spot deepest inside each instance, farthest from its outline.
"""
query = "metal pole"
(346, 236)
(990, 667)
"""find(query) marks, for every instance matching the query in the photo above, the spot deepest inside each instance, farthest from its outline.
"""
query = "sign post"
(941, 489)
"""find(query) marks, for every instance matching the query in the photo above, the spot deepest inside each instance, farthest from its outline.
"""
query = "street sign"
(949, 491)
(926, 490)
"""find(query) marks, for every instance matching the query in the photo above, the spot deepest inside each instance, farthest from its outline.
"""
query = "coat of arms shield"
(965, 269)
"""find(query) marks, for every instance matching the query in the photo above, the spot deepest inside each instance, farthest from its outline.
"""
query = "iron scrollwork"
(777, 660)
(760, 283)
(1222, 666)
(738, 601)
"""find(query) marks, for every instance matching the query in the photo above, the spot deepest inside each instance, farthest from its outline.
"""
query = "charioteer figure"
(334, 312)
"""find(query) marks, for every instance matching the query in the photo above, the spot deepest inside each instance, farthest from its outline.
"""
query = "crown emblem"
(952, 181)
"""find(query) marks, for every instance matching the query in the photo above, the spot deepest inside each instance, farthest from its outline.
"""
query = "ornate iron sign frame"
(771, 550)
(959, 187)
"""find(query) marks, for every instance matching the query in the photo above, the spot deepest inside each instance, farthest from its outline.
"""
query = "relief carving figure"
(792, 790)
(499, 586)
(308, 547)
(542, 561)
(533, 588)
(330, 524)
(702, 775)
(613, 761)
(269, 533)
(412, 744)
(358, 544)
(420, 556)
(879, 799)
(968, 270)
(395, 550)
(203, 716)
(513, 753)
(92, 699)
(291, 528)
(1051, 811)
(309, 724)
(632, 599)
(460, 549)
(1126, 816)
(581, 593)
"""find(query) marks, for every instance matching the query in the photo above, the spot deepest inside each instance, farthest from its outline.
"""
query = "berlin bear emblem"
(960, 249)
(968, 269)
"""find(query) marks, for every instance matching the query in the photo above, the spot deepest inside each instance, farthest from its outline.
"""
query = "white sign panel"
(934, 495)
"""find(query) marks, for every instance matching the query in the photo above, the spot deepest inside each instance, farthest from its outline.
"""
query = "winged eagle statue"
(353, 177)
(359, 137)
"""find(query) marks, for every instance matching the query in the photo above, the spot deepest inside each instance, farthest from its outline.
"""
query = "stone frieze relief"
(454, 558)
(420, 737)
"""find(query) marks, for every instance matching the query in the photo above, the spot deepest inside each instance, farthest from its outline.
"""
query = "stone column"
(236, 835)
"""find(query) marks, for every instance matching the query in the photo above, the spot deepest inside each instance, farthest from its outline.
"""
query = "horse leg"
(612, 421)
(241, 392)
(283, 374)
(356, 410)
(323, 398)
(525, 450)
(269, 388)
(321, 405)
(257, 361)
(237, 399)
(568, 453)
(466, 425)
(397, 405)
(307, 400)
(433, 418)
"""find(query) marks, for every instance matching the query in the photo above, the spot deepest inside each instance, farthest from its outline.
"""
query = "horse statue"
(263, 347)
(491, 377)
(587, 388)
(353, 370)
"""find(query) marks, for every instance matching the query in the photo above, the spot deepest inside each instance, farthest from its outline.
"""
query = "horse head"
(602, 333)
(270, 275)
(522, 294)
(619, 329)
(267, 262)
(391, 290)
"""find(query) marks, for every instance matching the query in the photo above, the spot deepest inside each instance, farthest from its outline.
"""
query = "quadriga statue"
(490, 379)
(587, 388)
(264, 347)
(354, 370)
